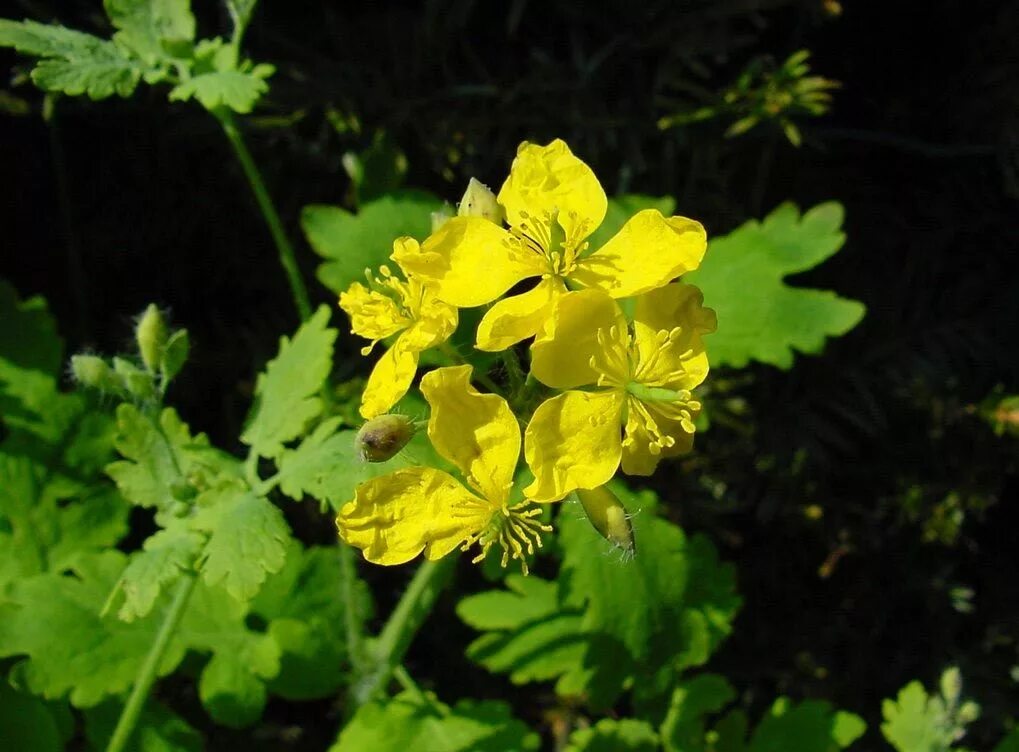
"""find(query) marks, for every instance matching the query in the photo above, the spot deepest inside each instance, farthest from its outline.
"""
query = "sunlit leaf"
(408, 722)
(760, 317)
(287, 392)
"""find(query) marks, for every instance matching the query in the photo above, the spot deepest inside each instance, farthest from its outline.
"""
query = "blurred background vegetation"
(865, 496)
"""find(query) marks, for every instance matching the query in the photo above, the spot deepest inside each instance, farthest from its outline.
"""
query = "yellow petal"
(573, 441)
(550, 178)
(681, 362)
(476, 432)
(372, 315)
(648, 252)
(516, 318)
(561, 355)
(641, 453)
(389, 380)
(470, 261)
(434, 320)
(395, 517)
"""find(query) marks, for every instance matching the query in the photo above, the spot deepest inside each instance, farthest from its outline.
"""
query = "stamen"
(514, 529)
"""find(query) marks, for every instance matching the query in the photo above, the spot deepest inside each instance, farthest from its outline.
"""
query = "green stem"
(287, 259)
(351, 614)
(513, 369)
(404, 623)
(147, 675)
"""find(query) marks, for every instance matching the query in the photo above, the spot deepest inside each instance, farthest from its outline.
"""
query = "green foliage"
(94, 656)
(154, 42)
(287, 392)
(414, 721)
(607, 735)
(247, 539)
(351, 243)
(759, 316)
(918, 722)
(73, 62)
(609, 622)
(28, 723)
(809, 726)
(326, 465)
(766, 93)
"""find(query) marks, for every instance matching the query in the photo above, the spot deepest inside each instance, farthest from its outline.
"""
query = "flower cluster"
(616, 348)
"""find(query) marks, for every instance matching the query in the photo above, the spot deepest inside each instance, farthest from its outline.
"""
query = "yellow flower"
(393, 306)
(395, 517)
(641, 408)
(553, 202)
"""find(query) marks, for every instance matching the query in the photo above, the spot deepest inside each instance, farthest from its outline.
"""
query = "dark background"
(120, 203)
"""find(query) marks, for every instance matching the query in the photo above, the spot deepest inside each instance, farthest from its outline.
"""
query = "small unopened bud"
(151, 334)
(441, 217)
(951, 684)
(608, 516)
(479, 201)
(93, 372)
(382, 437)
(138, 383)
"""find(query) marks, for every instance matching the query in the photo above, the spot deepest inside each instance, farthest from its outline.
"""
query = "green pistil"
(653, 393)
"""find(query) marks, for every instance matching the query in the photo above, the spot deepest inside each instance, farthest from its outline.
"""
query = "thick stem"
(147, 675)
(286, 252)
(405, 621)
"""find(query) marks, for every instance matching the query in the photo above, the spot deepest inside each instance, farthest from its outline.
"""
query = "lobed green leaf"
(759, 316)
(286, 394)
(410, 721)
(351, 243)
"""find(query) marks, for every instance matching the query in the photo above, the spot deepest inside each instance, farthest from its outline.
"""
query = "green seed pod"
(95, 373)
(151, 334)
(479, 201)
(608, 516)
(382, 437)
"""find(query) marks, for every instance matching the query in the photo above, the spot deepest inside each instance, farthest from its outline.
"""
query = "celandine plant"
(624, 382)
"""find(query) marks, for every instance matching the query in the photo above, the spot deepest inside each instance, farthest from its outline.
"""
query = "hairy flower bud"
(382, 437)
(608, 516)
(93, 372)
(479, 201)
(151, 334)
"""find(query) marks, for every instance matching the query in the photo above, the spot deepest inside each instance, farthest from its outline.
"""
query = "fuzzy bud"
(382, 437)
(93, 372)
(151, 334)
(608, 516)
(479, 201)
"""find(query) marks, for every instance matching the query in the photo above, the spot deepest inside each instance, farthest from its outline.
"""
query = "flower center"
(545, 236)
(636, 366)
(514, 528)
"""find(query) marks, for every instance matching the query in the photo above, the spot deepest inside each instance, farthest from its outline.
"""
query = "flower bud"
(93, 372)
(138, 383)
(608, 516)
(383, 436)
(479, 201)
(150, 334)
(441, 217)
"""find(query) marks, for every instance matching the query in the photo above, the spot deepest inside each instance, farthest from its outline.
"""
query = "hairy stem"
(405, 621)
(147, 674)
(286, 251)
